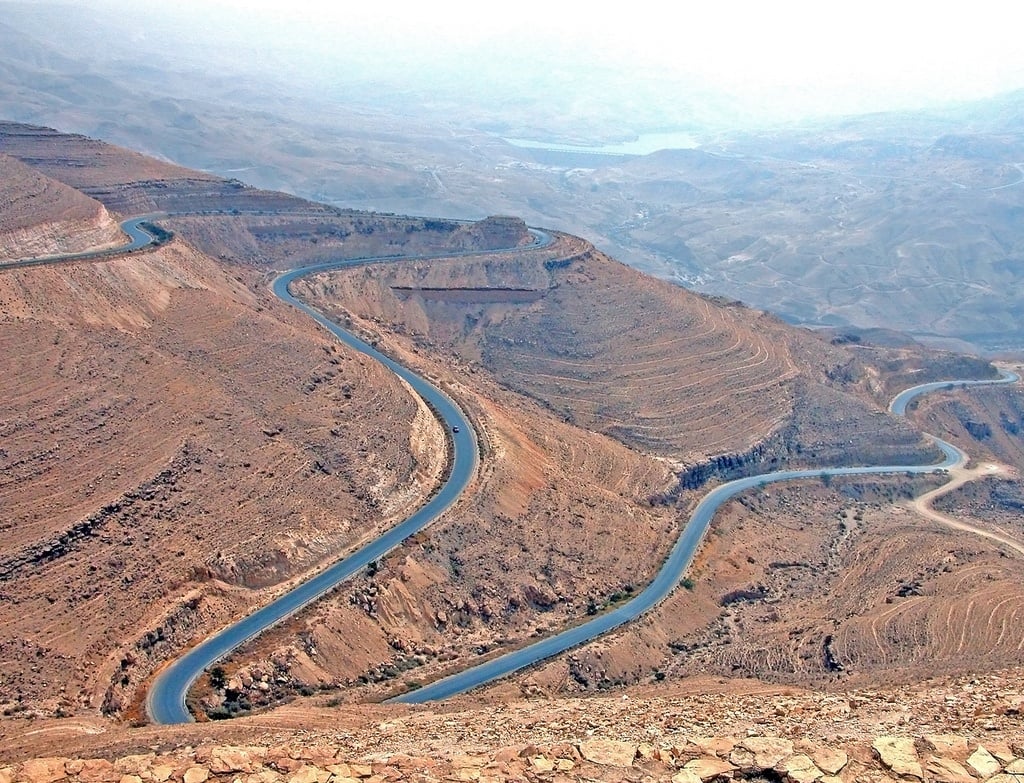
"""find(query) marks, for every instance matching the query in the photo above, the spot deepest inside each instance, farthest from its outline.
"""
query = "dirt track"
(959, 477)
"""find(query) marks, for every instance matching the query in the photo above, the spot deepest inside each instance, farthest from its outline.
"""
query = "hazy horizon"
(724, 64)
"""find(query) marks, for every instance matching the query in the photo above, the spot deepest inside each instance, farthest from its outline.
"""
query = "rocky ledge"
(942, 758)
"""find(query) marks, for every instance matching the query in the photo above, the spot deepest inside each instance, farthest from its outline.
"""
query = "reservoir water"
(644, 144)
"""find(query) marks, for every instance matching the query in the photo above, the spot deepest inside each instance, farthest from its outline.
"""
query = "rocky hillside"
(940, 758)
(955, 731)
(40, 216)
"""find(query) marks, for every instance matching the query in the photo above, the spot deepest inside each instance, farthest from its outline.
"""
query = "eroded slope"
(40, 216)
(594, 342)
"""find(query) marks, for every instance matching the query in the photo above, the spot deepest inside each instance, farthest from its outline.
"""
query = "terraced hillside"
(829, 587)
(710, 385)
(195, 443)
(173, 442)
(597, 344)
(844, 583)
(179, 444)
(40, 216)
(132, 184)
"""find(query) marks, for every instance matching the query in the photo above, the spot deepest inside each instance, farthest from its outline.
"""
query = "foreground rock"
(943, 759)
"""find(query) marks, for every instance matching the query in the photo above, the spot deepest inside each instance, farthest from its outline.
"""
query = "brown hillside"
(650, 364)
(821, 587)
(40, 216)
(558, 521)
(602, 346)
(171, 439)
(566, 511)
(179, 443)
(959, 730)
(132, 184)
(83, 162)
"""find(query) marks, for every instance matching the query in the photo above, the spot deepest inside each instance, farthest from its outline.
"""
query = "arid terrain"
(41, 216)
(178, 446)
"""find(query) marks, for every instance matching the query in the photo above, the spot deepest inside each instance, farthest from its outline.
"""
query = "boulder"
(684, 753)
(768, 751)
(610, 753)
(709, 767)
(97, 771)
(542, 764)
(136, 764)
(196, 775)
(899, 755)
(48, 770)
(309, 774)
(318, 754)
(983, 763)
(236, 759)
(946, 770)
(800, 769)
(1000, 750)
(341, 770)
(946, 746)
(159, 773)
(830, 760)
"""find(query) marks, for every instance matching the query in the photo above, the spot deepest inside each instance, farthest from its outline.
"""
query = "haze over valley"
(820, 218)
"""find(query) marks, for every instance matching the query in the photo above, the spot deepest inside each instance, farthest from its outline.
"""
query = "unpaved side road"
(958, 477)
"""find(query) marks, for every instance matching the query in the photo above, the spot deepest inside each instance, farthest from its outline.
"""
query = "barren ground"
(546, 333)
(173, 441)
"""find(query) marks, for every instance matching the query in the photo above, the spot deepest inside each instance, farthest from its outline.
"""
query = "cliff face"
(40, 216)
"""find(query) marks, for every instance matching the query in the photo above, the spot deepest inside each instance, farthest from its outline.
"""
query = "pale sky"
(808, 57)
(894, 49)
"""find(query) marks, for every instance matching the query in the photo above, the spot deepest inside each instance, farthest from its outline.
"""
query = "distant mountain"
(823, 223)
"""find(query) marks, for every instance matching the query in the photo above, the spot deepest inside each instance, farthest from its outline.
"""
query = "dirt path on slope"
(959, 477)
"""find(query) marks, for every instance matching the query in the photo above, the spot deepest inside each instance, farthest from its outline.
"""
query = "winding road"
(138, 238)
(679, 559)
(165, 701)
